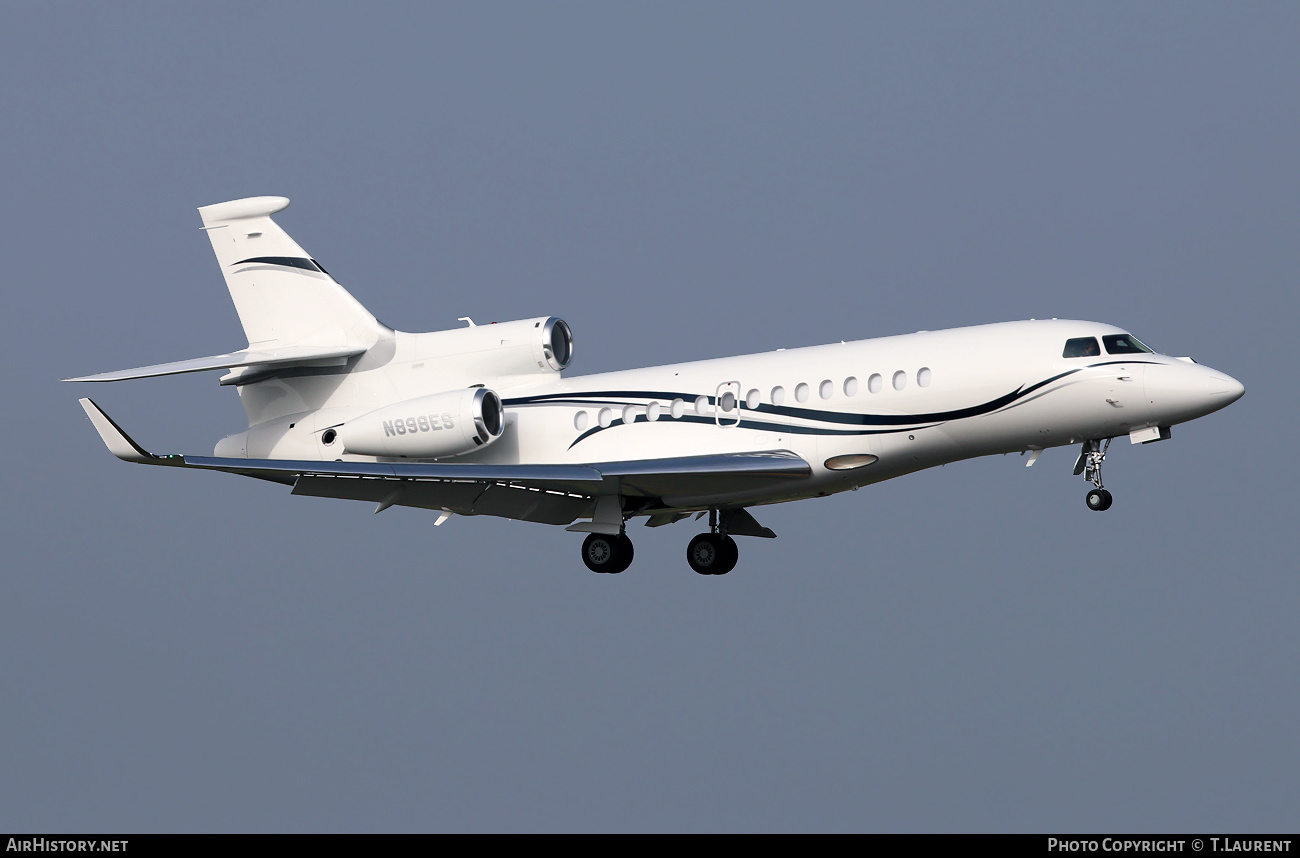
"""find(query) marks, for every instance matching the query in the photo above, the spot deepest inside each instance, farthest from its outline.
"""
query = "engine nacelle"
(428, 427)
(541, 346)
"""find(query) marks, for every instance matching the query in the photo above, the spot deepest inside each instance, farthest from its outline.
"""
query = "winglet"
(117, 441)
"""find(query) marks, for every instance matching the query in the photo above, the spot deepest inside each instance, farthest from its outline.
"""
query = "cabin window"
(1125, 344)
(752, 399)
(652, 411)
(1081, 347)
(677, 409)
(580, 421)
(605, 418)
(900, 380)
(629, 414)
(850, 386)
(875, 384)
(923, 377)
(728, 402)
(801, 392)
(702, 405)
(778, 395)
(826, 389)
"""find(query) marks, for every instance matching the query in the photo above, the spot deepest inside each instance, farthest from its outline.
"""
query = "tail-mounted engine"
(542, 346)
(429, 427)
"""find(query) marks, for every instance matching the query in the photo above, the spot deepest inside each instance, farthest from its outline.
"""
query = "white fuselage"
(876, 409)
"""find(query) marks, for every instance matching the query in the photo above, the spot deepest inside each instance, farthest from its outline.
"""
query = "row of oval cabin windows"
(826, 390)
(677, 408)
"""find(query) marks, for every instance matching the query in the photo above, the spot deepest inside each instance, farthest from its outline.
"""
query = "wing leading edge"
(553, 494)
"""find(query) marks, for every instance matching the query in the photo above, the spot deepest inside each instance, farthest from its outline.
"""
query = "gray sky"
(965, 649)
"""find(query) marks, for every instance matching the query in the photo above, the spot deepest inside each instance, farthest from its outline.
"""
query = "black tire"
(730, 554)
(607, 554)
(1099, 500)
(625, 553)
(712, 554)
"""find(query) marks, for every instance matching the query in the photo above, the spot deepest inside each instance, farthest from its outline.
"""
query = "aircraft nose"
(1228, 388)
(1184, 392)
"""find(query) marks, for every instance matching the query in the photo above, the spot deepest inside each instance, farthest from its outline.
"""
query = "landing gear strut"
(712, 553)
(1089, 464)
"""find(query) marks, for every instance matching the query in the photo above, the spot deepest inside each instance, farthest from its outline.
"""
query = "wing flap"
(705, 475)
(518, 502)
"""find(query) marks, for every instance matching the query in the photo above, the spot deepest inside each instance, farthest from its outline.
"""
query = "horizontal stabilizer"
(248, 357)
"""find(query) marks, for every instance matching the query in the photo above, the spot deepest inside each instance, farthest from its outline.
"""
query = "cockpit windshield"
(1125, 344)
(1081, 347)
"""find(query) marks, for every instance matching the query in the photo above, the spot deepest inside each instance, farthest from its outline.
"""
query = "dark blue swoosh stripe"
(783, 428)
(288, 261)
(840, 417)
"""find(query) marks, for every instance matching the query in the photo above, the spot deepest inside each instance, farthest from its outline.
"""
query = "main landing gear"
(712, 553)
(1089, 464)
(607, 554)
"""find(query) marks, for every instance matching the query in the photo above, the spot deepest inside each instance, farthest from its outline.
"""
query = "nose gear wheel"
(1099, 499)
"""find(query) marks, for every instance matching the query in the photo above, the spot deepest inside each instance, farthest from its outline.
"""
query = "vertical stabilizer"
(282, 295)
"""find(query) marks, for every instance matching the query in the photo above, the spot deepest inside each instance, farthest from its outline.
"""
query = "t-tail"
(293, 312)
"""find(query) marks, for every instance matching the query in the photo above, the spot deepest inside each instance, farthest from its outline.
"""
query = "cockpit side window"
(1081, 347)
(1125, 344)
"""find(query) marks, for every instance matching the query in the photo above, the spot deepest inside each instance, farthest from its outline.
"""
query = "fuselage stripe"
(611, 398)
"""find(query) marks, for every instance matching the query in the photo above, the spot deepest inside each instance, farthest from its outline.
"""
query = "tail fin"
(282, 295)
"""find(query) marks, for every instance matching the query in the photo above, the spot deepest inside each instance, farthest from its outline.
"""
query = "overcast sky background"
(964, 649)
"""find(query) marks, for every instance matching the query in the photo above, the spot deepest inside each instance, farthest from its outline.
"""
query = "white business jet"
(480, 421)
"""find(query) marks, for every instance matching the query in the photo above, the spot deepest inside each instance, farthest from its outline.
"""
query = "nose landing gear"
(1089, 464)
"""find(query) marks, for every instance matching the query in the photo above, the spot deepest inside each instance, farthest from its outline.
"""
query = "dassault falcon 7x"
(479, 420)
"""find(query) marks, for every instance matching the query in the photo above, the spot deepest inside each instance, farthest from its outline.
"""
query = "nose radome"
(1178, 393)
(1224, 387)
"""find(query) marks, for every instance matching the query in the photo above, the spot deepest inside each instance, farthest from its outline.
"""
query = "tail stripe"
(289, 261)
